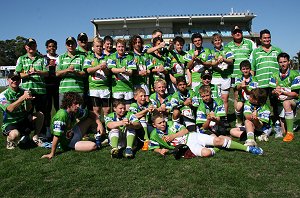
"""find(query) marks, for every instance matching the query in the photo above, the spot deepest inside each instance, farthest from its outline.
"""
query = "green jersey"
(83, 52)
(156, 60)
(142, 64)
(216, 106)
(251, 84)
(178, 63)
(121, 82)
(226, 53)
(63, 122)
(241, 52)
(35, 83)
(289, 82)
(112, 117)
(214, 91)
(264, 64)
(154, 100)
(156, 136)
(8, 97)
(204, 56)
(263, 112)
(71, 82)
(97, 80)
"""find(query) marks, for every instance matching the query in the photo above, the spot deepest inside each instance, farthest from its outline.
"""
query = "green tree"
(10, 50)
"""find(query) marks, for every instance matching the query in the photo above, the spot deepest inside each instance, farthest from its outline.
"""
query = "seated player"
(257, 119)
(121, 126)
(286, 84)
(70, 124)
(167, 135)
(206, 77)
(183, 103)
(209, 114)
(243, 85)
(159, 99)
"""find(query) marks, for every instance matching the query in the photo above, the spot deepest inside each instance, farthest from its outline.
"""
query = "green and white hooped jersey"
(264, 64)
(241, 52)
(204, 56)
(71, 82)
(8, 97)
(121, 82)
(35, 83)
(97, 80)
(156, 136)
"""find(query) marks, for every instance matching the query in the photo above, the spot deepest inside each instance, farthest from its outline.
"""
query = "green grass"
(95, 174)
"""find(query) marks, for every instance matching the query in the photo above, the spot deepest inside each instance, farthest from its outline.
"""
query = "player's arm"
(161, 151)
(171, 137)
(26, 96)
(53, 148)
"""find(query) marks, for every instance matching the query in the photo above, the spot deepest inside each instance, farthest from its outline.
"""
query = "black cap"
(30, 41)
(236, 29)
(206, 73)
(82, 36)
(14, 75)
(71, 39)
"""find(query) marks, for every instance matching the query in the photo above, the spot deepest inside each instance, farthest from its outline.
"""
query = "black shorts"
(243, 136)
(24, 127)
(99, 102)
(77, 136)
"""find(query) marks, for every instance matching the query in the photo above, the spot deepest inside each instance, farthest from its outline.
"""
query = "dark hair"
(69, 99)
(108, 38)
(265, 31)
(180, 79)
(196, 35)
(50, 41)
(157, 30)
(245, 63)
(179, 39)
(156, 114)
(133, 39)
(260, 95)
(157, 39)
(118, 102)
(283, 55)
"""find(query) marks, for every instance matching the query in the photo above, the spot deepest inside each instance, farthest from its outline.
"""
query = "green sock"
(216, 149)
(146, 137)
(129, 140)
(114, 141)
(250, 136)
(237, 146)
(289, 119)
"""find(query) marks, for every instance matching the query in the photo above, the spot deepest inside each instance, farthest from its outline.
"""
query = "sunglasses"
(16, 79)
(206, 78)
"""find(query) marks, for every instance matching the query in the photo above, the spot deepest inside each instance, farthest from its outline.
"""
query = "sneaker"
(278, 135)
(10, 145)
(114, 153)
(250, 142)
(128, 153)
(255, 150)
(24, 139)
(146, 145)
(288, 137)
(104, 142)
(37, 141)
(263, 138)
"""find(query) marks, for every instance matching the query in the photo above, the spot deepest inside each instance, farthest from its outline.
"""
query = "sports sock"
(114, 141)
(289, 119)
(250, 136)
(230, 144)
(239, 116)
(130, 138)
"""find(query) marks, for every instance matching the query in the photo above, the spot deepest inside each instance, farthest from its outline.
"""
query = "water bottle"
(277, 129)
(98, 140)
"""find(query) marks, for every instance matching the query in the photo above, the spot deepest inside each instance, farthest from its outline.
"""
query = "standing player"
(108, 45)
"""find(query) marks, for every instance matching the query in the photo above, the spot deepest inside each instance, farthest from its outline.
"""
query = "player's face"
(74, 108)
(140, 98)
(265, 40)
(108, 46)
(160, 123)
(178, 47)
(206, 97)
(137, 44)
(160, 88)
(245, 71)
(217, 43)
(237, 35)
(83, 42)
(284, 64)
(252, 100)
(71, 47)
(181, 86)
(120, 110)
(157, 34)
(206, 80)
(31, 48)
(98, 47)
(51, 48)
(197, 42)
(14, 82)
(120, 48)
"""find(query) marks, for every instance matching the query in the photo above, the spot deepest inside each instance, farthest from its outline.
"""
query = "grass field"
(95, 174)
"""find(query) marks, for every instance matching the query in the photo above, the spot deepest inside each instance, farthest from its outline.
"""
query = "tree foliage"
(10, 50)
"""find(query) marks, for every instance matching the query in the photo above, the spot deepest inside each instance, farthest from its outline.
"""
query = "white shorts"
(197, 141)
(123, 95)
(145, 87)
(223, 84)
(105, 93)
(194, 85)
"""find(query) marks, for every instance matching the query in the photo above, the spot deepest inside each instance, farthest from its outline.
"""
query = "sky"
(55, 19)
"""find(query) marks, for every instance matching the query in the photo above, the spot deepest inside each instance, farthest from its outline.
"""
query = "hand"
(27, 95)
(125, 122)
(49, 156)
(70, 69)
(162, 45)
(103, 66)
(243, 84)
(161, 68)
(151, 108)
(163, 151)
(169, 138)
(220, 59)
(187, 102)
(196, 53)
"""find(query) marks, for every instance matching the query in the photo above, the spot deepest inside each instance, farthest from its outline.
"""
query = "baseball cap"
(30, 41)
(70, 39)
(236, 29)
(14, 75)
(206, 73)
(82, 36)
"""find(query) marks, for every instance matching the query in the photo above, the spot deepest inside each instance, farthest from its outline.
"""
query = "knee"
(218, 141)
(205, 152)
(176, 113)
(13, 134)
